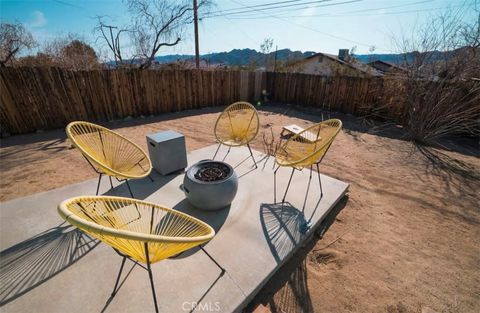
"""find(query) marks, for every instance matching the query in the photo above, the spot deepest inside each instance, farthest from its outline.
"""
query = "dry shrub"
(270, 145)
(437, 94)
(443, 108)
(430, 110)
(69, 52)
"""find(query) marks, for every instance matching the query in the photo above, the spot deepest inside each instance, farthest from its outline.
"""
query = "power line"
(327, 14)
(295, 7)
(68, 4)
(256, 6)
(391, 7)
(216, 35)
(309, 28)
(243, 32)
(266, 6)
(382, 8)
(317, 6)
(347, 14)
(350, 15)
(298, 9)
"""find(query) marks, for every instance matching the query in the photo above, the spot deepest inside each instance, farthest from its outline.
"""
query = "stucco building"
(326, 64)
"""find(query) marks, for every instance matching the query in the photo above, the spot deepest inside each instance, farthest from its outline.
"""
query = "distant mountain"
(237, 56)
(249, 56)
(430, 56)
(391, 58)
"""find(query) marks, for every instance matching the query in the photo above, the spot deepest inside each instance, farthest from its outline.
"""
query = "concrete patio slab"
(49, 266)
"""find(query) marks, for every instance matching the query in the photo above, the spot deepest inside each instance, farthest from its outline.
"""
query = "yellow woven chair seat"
(108, 151)
(237, 125)
(127, 224)
(235, 141)
(298, 152)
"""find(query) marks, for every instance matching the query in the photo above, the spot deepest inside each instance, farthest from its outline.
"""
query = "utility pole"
(195, 22)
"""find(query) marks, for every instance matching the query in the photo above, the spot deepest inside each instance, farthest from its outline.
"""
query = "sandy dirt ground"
(405, 239)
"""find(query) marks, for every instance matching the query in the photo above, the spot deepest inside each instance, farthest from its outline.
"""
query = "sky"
(305, 25)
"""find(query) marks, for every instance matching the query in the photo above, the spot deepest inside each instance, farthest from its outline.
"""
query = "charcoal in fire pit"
(212, 172)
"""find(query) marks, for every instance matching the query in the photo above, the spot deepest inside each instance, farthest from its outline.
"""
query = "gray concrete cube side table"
(167, 151)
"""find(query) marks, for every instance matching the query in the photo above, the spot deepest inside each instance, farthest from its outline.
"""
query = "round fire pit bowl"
(210, 185)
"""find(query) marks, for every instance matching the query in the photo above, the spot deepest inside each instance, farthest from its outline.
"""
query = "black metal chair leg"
(275, 185)
(150, 275)
(129, 189)
(98, 184)
(218, 148)
(211, 258)
(251, 154)
(288, 185)
(151, 179)
(118, 277)
(321, 195)
(111, 183)
(319, 181)
(308, 188)
(136, 207)
(226, 154)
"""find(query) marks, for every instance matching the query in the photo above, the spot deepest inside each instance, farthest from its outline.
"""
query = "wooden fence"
(352, 95)
(44, 98)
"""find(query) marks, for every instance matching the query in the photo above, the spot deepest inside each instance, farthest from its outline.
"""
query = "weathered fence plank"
(43, 98)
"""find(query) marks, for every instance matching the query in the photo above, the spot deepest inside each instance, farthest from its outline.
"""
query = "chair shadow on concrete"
(247, 171)
(215, 219)
(250, 167)
(141, 188)
(120, 284)
(287, 291)
(282, 225)
(293, 296)
(34, 261)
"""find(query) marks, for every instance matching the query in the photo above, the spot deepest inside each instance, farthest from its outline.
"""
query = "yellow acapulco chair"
(298, 152)
(237, 126)
(109, 153)
(159, 233)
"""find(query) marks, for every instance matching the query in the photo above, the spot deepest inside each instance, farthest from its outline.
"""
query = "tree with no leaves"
(14, 37)
(155, 24)
(111, 35)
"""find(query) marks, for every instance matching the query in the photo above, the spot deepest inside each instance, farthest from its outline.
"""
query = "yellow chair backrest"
(237, 125)
(299, 152)
(109, 151)
(126, 224)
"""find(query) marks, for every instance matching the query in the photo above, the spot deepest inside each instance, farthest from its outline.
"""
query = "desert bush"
(270, 144)
(438, 93)
(69, 52)
(443, 108)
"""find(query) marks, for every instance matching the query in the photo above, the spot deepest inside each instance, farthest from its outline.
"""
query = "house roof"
(352, 63)
(387, 64)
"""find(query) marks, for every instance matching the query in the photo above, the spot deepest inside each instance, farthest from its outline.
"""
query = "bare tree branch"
(14, 37)
(154, 24)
